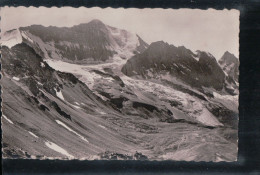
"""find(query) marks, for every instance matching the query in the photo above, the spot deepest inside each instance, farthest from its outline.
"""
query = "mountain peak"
(228, 57)
(158, 46)
(228, 53)
(230, 65)
(96, 22)
(182, 47)
(158, 43)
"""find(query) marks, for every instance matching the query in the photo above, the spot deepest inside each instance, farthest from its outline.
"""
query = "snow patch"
(225, 73)
(167, 76)
(134, 72)
(75, 106)
(101, 112)
(123, 42)
(26, 37)
(58, 149)
(196, 58)
(163, 65)
(99, 95)
(42, 64)
(39, 83)
(95, 157)
(33, 134)
(102, 126)
(226, 97)
(69, 129)
(184, 67)
(228, 68)
(174, 64)
(208, 119)
(219, 159)
(59, 94)
(149, 73)
(16, 78)
(8, 119)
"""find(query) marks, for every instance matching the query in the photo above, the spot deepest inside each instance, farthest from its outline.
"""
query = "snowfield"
(84, 72)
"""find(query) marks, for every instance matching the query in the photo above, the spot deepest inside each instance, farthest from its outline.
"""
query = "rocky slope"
(48, 113)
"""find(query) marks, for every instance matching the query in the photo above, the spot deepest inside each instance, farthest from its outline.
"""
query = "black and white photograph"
(120, 83)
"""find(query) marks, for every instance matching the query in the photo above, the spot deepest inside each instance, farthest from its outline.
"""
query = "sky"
(214, 31)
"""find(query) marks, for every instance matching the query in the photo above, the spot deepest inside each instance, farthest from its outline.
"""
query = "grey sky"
(215, 31)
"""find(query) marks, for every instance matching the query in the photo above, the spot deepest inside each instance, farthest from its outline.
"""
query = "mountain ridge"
(87, 42)
(196, 69)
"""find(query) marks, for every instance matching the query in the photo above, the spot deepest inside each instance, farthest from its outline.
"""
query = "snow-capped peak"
(123, 42)
(91, 42)
(11, 38)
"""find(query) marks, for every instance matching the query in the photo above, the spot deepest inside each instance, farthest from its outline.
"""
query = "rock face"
(230, 65)
(84, 43)
(200, 69)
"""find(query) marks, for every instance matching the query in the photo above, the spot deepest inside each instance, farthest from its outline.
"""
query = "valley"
(133, 102)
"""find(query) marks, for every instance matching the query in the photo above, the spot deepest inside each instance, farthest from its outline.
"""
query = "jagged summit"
(156, 43)
(228, 57)
(161, 58)
(230, 65)
(159, 46)
(182, 47)
(228, 53)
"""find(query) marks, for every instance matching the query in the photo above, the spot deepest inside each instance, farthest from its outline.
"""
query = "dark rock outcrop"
(162, 58)
(230, 65)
